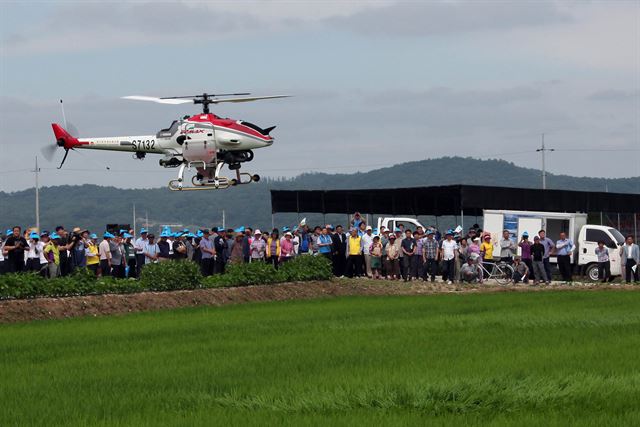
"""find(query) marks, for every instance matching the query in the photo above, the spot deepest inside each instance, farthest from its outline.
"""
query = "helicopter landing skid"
(248, 178)
(217, 183)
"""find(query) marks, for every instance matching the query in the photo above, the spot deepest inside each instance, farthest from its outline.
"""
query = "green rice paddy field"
(538, 358)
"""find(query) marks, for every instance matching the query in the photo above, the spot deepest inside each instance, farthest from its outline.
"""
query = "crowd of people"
(398, 254)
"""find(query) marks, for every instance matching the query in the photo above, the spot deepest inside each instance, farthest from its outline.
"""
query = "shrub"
(20, 285)
(164, 276)
(254, 273)
(168, 276)
(259, 273)
(305, 268)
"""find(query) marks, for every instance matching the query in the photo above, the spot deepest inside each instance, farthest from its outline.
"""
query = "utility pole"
(543, 150)
(37, 171)
(223, 221)
(135, 232)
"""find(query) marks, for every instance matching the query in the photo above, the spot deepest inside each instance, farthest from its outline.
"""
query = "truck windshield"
(619, 238)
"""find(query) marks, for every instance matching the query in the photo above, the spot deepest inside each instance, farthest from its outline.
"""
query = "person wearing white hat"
(367, 241)
(286, 247)
(258, 247)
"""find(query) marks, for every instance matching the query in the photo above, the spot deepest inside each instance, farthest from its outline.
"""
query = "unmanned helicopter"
(203, 141)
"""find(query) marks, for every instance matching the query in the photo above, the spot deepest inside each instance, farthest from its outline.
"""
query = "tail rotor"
(64, 139)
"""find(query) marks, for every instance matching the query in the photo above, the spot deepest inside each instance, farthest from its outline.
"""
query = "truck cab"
(391, 223)
(588, 242)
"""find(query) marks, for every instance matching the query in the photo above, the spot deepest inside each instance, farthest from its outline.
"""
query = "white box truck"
(585, 236)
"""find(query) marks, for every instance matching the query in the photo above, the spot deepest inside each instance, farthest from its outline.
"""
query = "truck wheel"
(592, 272)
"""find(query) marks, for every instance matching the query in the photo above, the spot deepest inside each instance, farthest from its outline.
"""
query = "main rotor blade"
(48, 151)
(249, 99)
(210, 95)
(158, 100)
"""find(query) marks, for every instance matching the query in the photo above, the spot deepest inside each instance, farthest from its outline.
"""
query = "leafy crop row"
(165, 276)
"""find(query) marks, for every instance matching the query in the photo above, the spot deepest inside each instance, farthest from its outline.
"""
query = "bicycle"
(501, 272)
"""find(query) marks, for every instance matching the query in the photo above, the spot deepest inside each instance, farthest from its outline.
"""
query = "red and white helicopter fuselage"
(204, 141)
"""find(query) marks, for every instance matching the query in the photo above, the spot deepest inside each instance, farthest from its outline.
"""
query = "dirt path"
(101, 305)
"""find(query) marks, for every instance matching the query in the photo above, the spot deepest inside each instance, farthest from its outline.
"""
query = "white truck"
(585, 236)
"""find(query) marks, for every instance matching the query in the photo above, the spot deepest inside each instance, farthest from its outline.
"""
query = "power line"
(104, 168)
(15, 171)
(608, 150)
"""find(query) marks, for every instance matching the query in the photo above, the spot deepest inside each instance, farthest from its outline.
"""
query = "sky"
(374, 83)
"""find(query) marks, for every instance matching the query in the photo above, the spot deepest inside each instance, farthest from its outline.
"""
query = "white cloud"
(73, 27)
(96, 26)
(601, 35)
(449, 17)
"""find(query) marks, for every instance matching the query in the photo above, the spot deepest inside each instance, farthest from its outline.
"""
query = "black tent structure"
(455, 200)
(451, 200)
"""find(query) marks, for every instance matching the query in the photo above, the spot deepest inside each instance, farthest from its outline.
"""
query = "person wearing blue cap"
(164, 246)
(525, 249)
(105, 254)
(92, 254)
(190, 243)
(15, 246)
(52, 255)
(179, 247)
(129, 255)
(35, 257)
(64, 244)
(118, 257)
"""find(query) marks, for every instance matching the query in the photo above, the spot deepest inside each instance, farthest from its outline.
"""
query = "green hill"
(94, 206)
